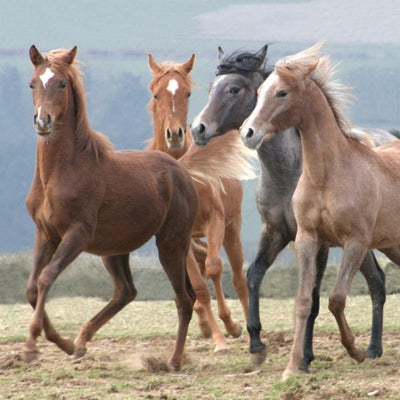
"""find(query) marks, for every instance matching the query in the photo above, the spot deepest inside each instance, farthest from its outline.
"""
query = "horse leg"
(200, 253)
(214, 271)
(234, 250)
(375, 279)
(308, 352)
(42, 278)
(307, 249)
(43, 251)
(124, 293)
(353, 255)
(269, 247)
(173, 262)
(202, 305)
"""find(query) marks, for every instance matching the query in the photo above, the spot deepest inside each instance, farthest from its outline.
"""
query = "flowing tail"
(224, 157)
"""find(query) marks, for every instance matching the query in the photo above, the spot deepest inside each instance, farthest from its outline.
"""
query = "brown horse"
(219, 215)
(87, 197)
(346, 193)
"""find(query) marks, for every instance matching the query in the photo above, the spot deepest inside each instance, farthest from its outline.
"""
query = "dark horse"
(87, 197)
(232, 97)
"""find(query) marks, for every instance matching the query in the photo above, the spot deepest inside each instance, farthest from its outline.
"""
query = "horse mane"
(338, 95)
(227, 158)
(87, 139)
(243, 61)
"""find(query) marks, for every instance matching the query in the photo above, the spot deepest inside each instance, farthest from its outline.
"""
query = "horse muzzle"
(43, 124)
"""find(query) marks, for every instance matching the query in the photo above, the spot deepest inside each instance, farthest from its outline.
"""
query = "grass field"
(120, 363)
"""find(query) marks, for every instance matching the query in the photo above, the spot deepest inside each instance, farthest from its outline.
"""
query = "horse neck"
(280, 159)
(323, 143)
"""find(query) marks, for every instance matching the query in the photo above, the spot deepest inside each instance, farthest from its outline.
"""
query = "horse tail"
(224, 157)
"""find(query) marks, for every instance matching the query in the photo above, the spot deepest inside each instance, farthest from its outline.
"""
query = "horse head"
(171, 89)
(232, 94)
(51, 87)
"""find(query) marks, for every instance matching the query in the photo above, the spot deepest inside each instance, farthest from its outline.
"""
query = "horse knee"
(303, 307)
(337, 304)
(31, 294)
(214, 268)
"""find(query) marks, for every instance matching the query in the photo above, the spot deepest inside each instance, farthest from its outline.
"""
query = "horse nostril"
(48, 119)
(169, 135)
(202, 128)
(180, 133)
(35, 119)
(250, 133)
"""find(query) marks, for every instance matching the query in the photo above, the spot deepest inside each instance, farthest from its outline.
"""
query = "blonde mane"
(87, 138)
(338, 95)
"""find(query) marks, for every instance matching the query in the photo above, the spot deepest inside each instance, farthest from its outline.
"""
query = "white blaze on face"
(46, 76)
(173, 87)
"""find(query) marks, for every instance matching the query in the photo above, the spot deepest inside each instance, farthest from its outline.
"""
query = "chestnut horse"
(345, 195)
(87, 197)
(219, 215)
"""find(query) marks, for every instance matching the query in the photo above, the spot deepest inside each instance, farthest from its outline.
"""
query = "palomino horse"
(345, 195)
(219, 213)
(87, 197)
(232, 97)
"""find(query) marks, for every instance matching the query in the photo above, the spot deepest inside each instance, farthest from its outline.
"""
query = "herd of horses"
(323, 182)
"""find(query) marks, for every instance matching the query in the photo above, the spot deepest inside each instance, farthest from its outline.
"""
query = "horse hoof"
(373, 352)
(221, 348)
(359, 353)
(287, 373)
(259, 357)
(30, 356)
(237, 331)
(78, 353)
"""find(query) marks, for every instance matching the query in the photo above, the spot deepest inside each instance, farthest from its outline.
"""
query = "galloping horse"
(232, 97)
(345, 195)
(87, 197)
(219, 213)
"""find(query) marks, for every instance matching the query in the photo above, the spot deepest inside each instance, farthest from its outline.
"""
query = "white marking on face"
(39, 119)
(173, 87)
(46, 76)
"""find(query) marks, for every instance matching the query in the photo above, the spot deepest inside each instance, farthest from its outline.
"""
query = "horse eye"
(155, 97)
(31, 85)
(62, 84)
(188, 95)
(234, 90)
(282, 93)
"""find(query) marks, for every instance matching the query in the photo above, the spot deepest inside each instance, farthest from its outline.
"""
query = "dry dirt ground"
(136, 369)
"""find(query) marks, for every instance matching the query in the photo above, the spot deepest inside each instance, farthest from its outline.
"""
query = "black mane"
(240, 61)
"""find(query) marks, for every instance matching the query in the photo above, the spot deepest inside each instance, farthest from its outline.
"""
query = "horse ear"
(35, 56)
(221, 54)
(153, 65)
(188, 65)
(69, 57)
(261, 54)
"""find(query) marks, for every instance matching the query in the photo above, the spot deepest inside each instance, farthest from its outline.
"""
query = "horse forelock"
(241, 61)
(86, 137)
(338, 95)
(169, 67)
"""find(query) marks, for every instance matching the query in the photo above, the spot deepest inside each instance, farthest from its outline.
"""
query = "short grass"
(120, 360)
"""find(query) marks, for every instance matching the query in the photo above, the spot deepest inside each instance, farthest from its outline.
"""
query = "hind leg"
(172, 258)
(124, 293)
(202, 305)
(269, 247)
(375, 279)
(214, 271)
(234, 250)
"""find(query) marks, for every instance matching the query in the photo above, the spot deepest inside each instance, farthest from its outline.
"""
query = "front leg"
(271, 244)
(40, 283)
(307, 247)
